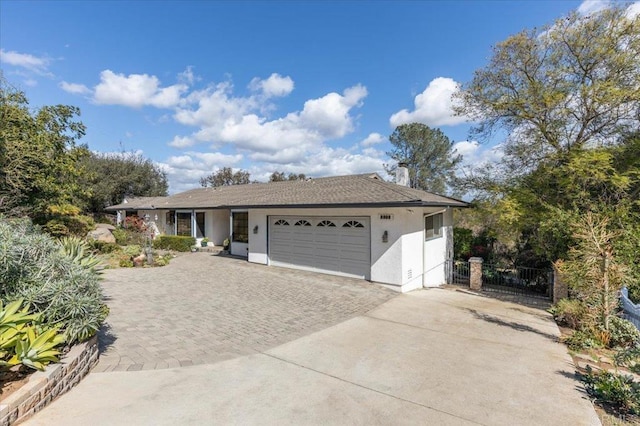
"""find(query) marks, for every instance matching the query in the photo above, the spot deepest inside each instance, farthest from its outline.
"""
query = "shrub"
(174, 242)
(125, 261)
(569, 313)
(128, 236)
(162, 260)
(135, 224)
(617, 390)
(65, 220)
(629, 357)
(103, 247)
(120, 235)
(580, 340)
(132, 250)
(34, 268)
(622, 333)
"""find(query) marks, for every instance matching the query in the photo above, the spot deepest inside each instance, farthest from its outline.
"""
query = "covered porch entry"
(215, 224)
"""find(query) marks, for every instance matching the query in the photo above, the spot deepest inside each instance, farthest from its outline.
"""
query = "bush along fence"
(630, 309)
(529, 282)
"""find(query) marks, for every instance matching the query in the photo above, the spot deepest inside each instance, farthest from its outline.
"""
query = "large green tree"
(112, 177)
(428, 153)
(226, 176)
(566, 99)
(38, 154)
(567, 86)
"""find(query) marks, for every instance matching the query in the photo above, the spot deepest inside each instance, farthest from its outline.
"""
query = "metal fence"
(458, 272)
(532, 282)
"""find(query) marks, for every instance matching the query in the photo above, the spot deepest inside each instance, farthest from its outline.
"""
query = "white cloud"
(372, 139)
(75, 88)
(275, 85)
(136, 90)
(182, 142)
(187, 76)
(225, 119)
(35, 64)
(474, 154)
(433, 106)
(184, 171)
(588, 7)
(633, 10)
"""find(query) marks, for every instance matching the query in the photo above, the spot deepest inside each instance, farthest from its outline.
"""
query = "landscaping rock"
(139, 261)
(102, 234)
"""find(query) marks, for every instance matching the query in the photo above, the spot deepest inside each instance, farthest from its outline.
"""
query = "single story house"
(355, 226)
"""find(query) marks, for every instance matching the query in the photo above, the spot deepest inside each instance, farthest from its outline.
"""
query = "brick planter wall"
(44, 386)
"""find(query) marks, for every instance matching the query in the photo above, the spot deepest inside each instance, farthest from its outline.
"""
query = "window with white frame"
(433, 226)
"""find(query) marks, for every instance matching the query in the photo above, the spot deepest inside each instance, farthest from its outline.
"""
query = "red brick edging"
(44, 386)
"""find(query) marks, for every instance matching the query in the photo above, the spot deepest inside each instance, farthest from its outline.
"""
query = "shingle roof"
(337, 191)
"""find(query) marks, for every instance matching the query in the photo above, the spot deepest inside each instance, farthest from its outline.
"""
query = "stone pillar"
(560, 288)
(475, 273)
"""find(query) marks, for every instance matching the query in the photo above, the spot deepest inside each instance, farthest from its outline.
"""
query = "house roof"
(364, 190)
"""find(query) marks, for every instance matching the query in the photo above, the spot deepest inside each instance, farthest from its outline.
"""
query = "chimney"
(402, 174)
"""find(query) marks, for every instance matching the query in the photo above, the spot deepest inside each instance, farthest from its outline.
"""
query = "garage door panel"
(320, 247)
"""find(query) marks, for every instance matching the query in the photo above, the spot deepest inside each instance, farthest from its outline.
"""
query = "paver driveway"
(430, 357)
(203, 308)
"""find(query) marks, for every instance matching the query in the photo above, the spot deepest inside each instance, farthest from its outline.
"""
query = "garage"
(332, 244)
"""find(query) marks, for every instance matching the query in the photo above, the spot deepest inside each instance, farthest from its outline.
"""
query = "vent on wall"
(410, 274)
(386, 216)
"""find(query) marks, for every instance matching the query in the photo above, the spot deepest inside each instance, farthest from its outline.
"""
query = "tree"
(560, 88)
(112, 177)
(280, 176)
(428, 153)
(38, 154)
(225, 177)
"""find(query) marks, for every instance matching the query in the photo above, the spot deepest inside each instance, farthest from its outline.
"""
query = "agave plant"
(12, 323)
(36, 351)
(78, 251)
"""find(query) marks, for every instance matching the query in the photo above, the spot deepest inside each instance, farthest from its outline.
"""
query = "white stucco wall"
(435, 255)
(218, 226)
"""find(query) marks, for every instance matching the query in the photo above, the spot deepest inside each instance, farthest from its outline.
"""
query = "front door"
(200, 231)
(240, 233)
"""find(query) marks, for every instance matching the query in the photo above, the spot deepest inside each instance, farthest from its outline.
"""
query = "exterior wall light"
(385, 237)
(255, 229)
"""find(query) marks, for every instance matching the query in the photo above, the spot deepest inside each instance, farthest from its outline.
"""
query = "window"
(302, 223)
(433, 226)
(240, 227)
(353, 224)
(327, 223)
(183, 225)
(281, 222)
(170, 217)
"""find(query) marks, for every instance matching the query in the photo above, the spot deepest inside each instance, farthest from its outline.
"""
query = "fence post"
(560, 288)
(475, 276)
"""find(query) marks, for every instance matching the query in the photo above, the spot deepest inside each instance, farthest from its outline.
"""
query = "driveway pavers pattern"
(204, 308)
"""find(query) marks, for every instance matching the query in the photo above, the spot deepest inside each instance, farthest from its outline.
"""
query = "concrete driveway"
(436, 356)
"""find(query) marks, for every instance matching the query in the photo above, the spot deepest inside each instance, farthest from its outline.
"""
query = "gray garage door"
(335, 245)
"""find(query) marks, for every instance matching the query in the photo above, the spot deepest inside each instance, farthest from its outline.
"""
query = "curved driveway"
(430, 357)
(203, 308)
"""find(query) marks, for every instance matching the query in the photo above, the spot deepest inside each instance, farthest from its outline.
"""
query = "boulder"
(102, 234)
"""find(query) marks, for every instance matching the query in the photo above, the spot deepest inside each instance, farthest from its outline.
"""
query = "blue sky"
(304, 87)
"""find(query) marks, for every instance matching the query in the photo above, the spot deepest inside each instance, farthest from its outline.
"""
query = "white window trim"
(440, 230)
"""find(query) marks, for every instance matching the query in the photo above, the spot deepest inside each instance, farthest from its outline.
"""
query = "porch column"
(475, 269)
